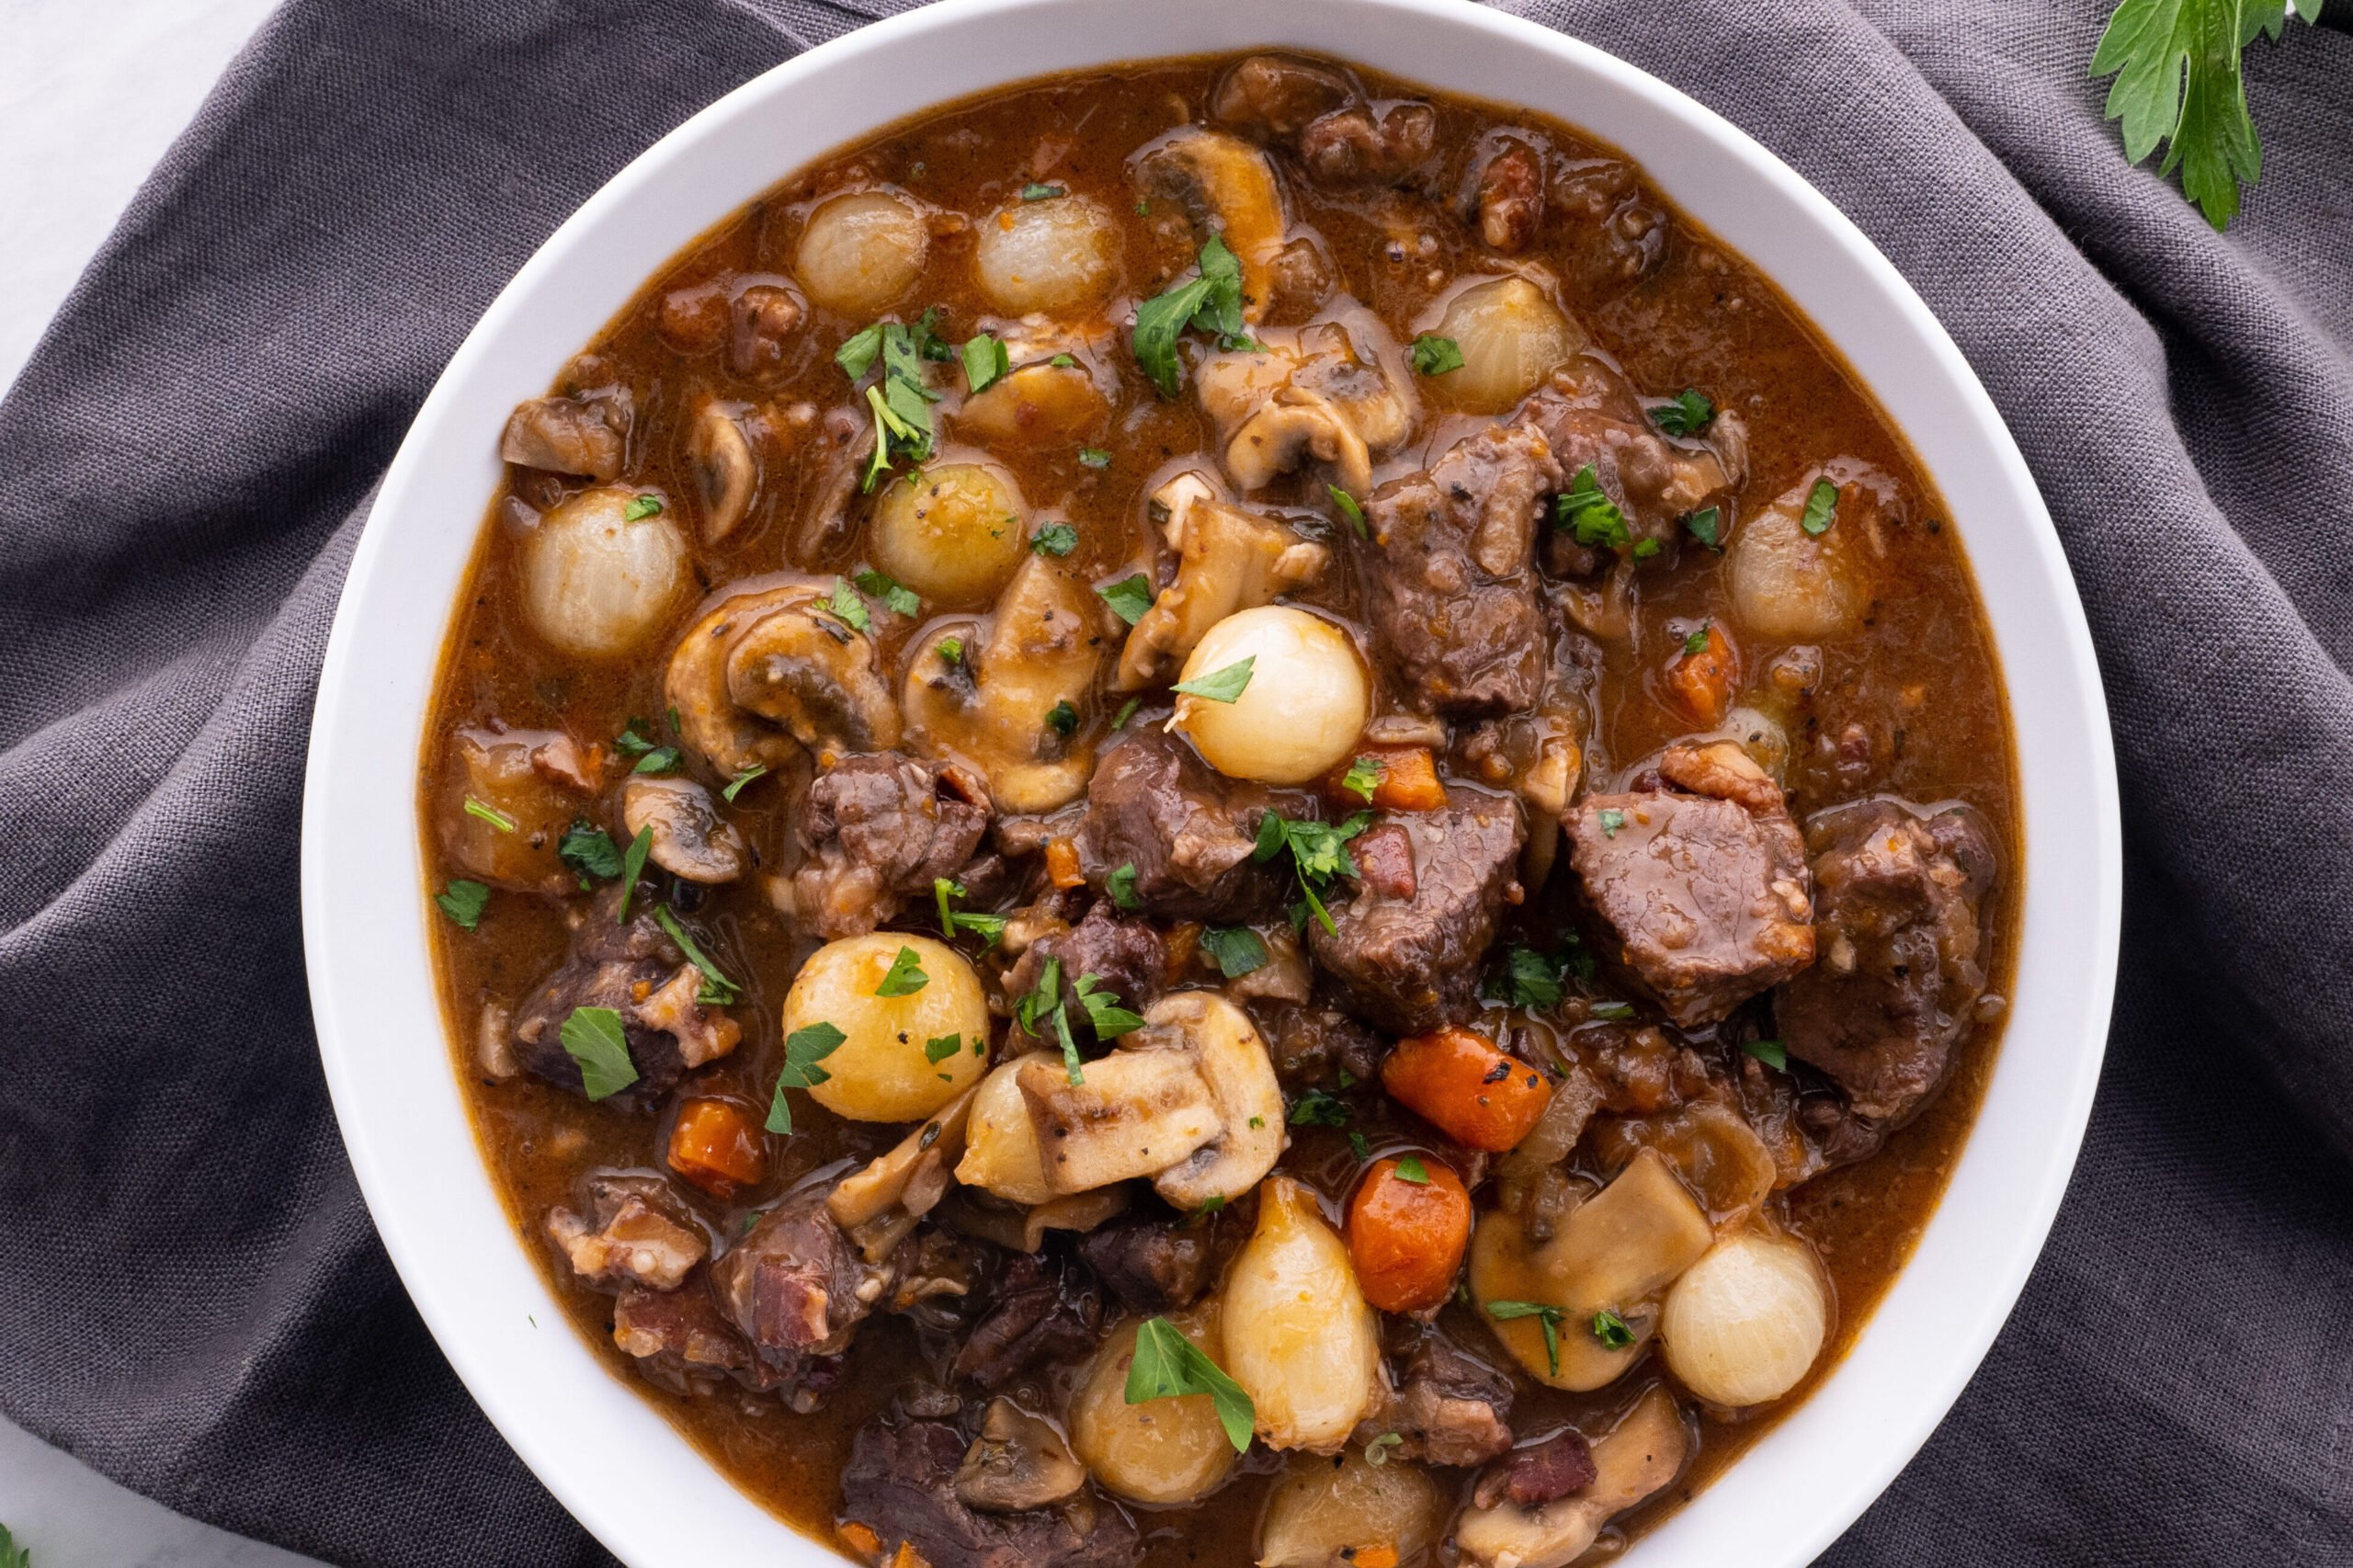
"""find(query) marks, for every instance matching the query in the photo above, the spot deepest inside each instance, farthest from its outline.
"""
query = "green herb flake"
(717, 990)
(939, 1051)
(1318, 1108)
(594, 1038)
(1361, 1146)
(642, 506)
(1220, 686)
(1687, 413)
(848, 607)
(1063, 362)
(900, 401)
(1121, 885)
(949, 649)
(1586, 511)
(985, 361)
(1697, 643)
(1410, 1169)
(1236, 950)
(1211, 302)
(736, 785)
(661, 759)
(1127, 712)
(1611, 819)
(484, 812)
(15, 1556)
(463, 902)
(1037, 191)
(1319, 854)
(1706, 526)
(1364, 777)
(1054, 538)
(1129, 597)
(1528, 979)
(1821, 508)
(906, 977)
(891, 591)
(1093, 457)
(856, 356)
(1435, 356)
(1350, 510)
(1063, 719)
(1258, 1123)
(632, 868)
(1166, 1365)
(1612, 1012)
(804, 1048)
(1548, 1317)
(1771, 1052)
(1103, 1010)
(1612, 1331)
(1376, 1453)
(590, 851)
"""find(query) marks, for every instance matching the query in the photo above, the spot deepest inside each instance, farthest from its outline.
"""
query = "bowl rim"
(1780, 1504)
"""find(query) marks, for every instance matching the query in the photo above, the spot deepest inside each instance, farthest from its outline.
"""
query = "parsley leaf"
(804, 1048)
(1350, 510)
(1236, 949)
(891, 591)
(1220, 686)
(846, 607)
(1706, 526)
(856, 356)
(906, 976)
(1410, 1169)
(1063, 719)
(1211, 301)
(1318, 1108)
(1166, 1365)
(1613, 1012)
(1821, 508)
(1376, 1453)
(463, 902)
(661, 759)
(1121, 885)
(1035, 191)
(1103, 1009)
(1093, 457)
(1611, 1330)
(1054, 538)
(484, 811)
(1547, 1316)
(1586, 511)
(630, 740)
(643, 506)
(632, 868)
(1697, 643)
(1611, 820)
(1127, 712)
(594, 1038)
(1771, 1052)
(939, 1051)
(1319, 853)
(717, 990)
(15, 1556)
(736, 785)
(1435, 356)
(987, 927)
(1689, 414)
(1129, 597)
(900, 401)
(985, 361)
(1530, 979)
(1364, 777)
(949, 649)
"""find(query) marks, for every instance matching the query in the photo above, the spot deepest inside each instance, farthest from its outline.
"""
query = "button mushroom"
(726, 470)
(1225, 185)
(1334, 391)
(566, 434)
(1133, 1113)
(1644, 1453)
(1249, 1100)
(766, 675)
(1018, 1462)
(690, 839)
(1227, 560)
(987, 700)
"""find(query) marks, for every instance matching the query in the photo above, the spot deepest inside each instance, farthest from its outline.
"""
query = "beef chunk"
(634, 1233)
(900, 1483)
(1275, 96)
(1153, 1266)
(1596, 421)
(1705, 892)
(1128, 958)
(1511, 197)
(1541, 1472)
(566, 434)
(1452, 594)
(1188, 830)
(1902, 960)
(1450, 1407)
(1040, 1310)
(631, 969)
(795, 1286)
(682, 1343)
(879, 828)
(1370, 143)
(759, 327)
(1410, 964)
(1311, 1046)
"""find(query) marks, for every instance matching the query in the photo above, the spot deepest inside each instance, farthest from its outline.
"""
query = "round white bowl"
(363, 876)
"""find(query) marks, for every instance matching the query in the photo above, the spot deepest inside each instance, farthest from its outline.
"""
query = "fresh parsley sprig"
(1210, 302)
(1166, 1365)
(1319, 856)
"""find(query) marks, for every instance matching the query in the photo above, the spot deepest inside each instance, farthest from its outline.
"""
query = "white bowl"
(364, 879)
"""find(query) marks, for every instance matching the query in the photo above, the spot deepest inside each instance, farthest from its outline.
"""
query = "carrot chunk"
(1465, 1087)
(1062, 863)
(1406, 779)
(1705, 675)
(1408, 1224)
(718, 1145)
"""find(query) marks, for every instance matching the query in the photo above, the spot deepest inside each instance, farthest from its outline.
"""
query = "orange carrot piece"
(1703, 680)
(1406, 1237)
(718, 1145)
(860, 1539)
(1408, 779)
(1466, 1088)
(1062, 863)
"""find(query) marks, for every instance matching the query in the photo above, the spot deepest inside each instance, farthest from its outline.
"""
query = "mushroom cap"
(690, 839)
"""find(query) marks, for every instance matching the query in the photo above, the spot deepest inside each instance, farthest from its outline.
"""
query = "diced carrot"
(718, 1145)
(1406, 1237)
(1062, 863)
(1408, 781)
(1466, 1088)
(1375, 1557)
(908, 1557)
(859, 1539)
(1703, 678)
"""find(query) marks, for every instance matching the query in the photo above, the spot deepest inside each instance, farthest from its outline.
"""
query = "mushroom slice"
(1000, 1146)
(566, 434)
(1227, 560)
(1644, 1452)
(1249, 1100)
(1019, 1461)
(725, 468)
(1134, 1113)
(690, 839)
(877, 1206)
(814, 677)
(1226, 185)
(695, 686)
(1335, 390)
(990, 708)
(1035, 405)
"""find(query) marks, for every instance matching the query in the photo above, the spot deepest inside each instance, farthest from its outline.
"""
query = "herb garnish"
(1611, 819)
(985, 361)
(1121, 885)
(804, 1048)
(1410, 1169)
(906, 977)
(987, 927)
(1319, 1108)
(1221, 685)
(1129, 597)
(463, 902)
(643, 506)
(1319, 854)
(736, 785)
(1054, 538)
(1037, 191)
(1166, 1365)
(1612, 1012)
(1530, 979)
(590, 851)
(1364, 777)
(949, 649)
(1350, 510)
(717, 990)
(1771, 1052)
(1211, 301)
(1376, 1453)
(1611, 1330)
(1093, 457)
(1586, 511)
(900, 401)
(1689, 414)
(1547, 1316)
(1127, 712)
(1435, 356)
(594, 1038)
(1697, 643)
(1236, 949)
(1706, 526)
(939, 1051)
(1063, 719)
(661, 759)
(633, 867)
(846, 606)
(1821, 508)
(485, 811)
(891, 591)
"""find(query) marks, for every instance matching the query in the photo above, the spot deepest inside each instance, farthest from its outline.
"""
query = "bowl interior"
(364, 916)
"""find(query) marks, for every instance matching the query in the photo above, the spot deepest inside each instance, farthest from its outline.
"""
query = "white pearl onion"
(1745, 1323)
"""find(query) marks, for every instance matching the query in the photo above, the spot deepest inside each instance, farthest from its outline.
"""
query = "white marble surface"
(93, 92)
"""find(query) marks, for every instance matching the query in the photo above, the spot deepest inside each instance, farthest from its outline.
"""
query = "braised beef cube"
(1704, 887)
(682, 1342)
(1153, 1266)
(1408, 964)
(637, 971)
(1452, 590)
(1187, 829)
(1277, 96)
(1040, 1310)
(1370, 143)
(759, 330)
(1128, 958)
(1511, 197)
(1450, 1407)
(1902, 960)
(900, 1483)
(635, 1232)
(1311, 1047)
(1541, 1472)
(878, 830)
(795, 1285)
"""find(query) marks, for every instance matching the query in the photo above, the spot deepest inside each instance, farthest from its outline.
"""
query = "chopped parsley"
(1547, 1316)
(1063, 362)
(594, 1038)
(1220, 686)
(1364, 777)
(949, 649)
(1410, 1169)
(1211, 302)
(1612, 1331)
(463, 902)
(1121, 885)
(736, 785)
(661, 759)
(1319, 854)
(717, 990)
(1376, 1453)
(1037, 191)
(1821, 508)
(1435, 356)
(630, 740)
(1237, 950)
(1771, 1052)
(1350, 510)
(1093, 457)
(1528, 979)
(1129, 597)
(985, 361)
(900, 399)
(1317, 1107)
(1697, 643)
(633, 867)
(906, 977)
(1611, 1011)
(484, 812)
(1063, 719)
(1586, 511)
(642, 506)
(1054, 538)
(1706, 526)
(1127, 712)
(1689, 414)
(1166, 1365)
(1611, 819)
(1046, 1005)
(804, 1048)
(891, 591)
(848, 607)
(987, 927)
(939, 1051)
(590, 851)
(1103, 1010)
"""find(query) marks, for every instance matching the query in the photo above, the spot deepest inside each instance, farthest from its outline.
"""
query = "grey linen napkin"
(192, 1298)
